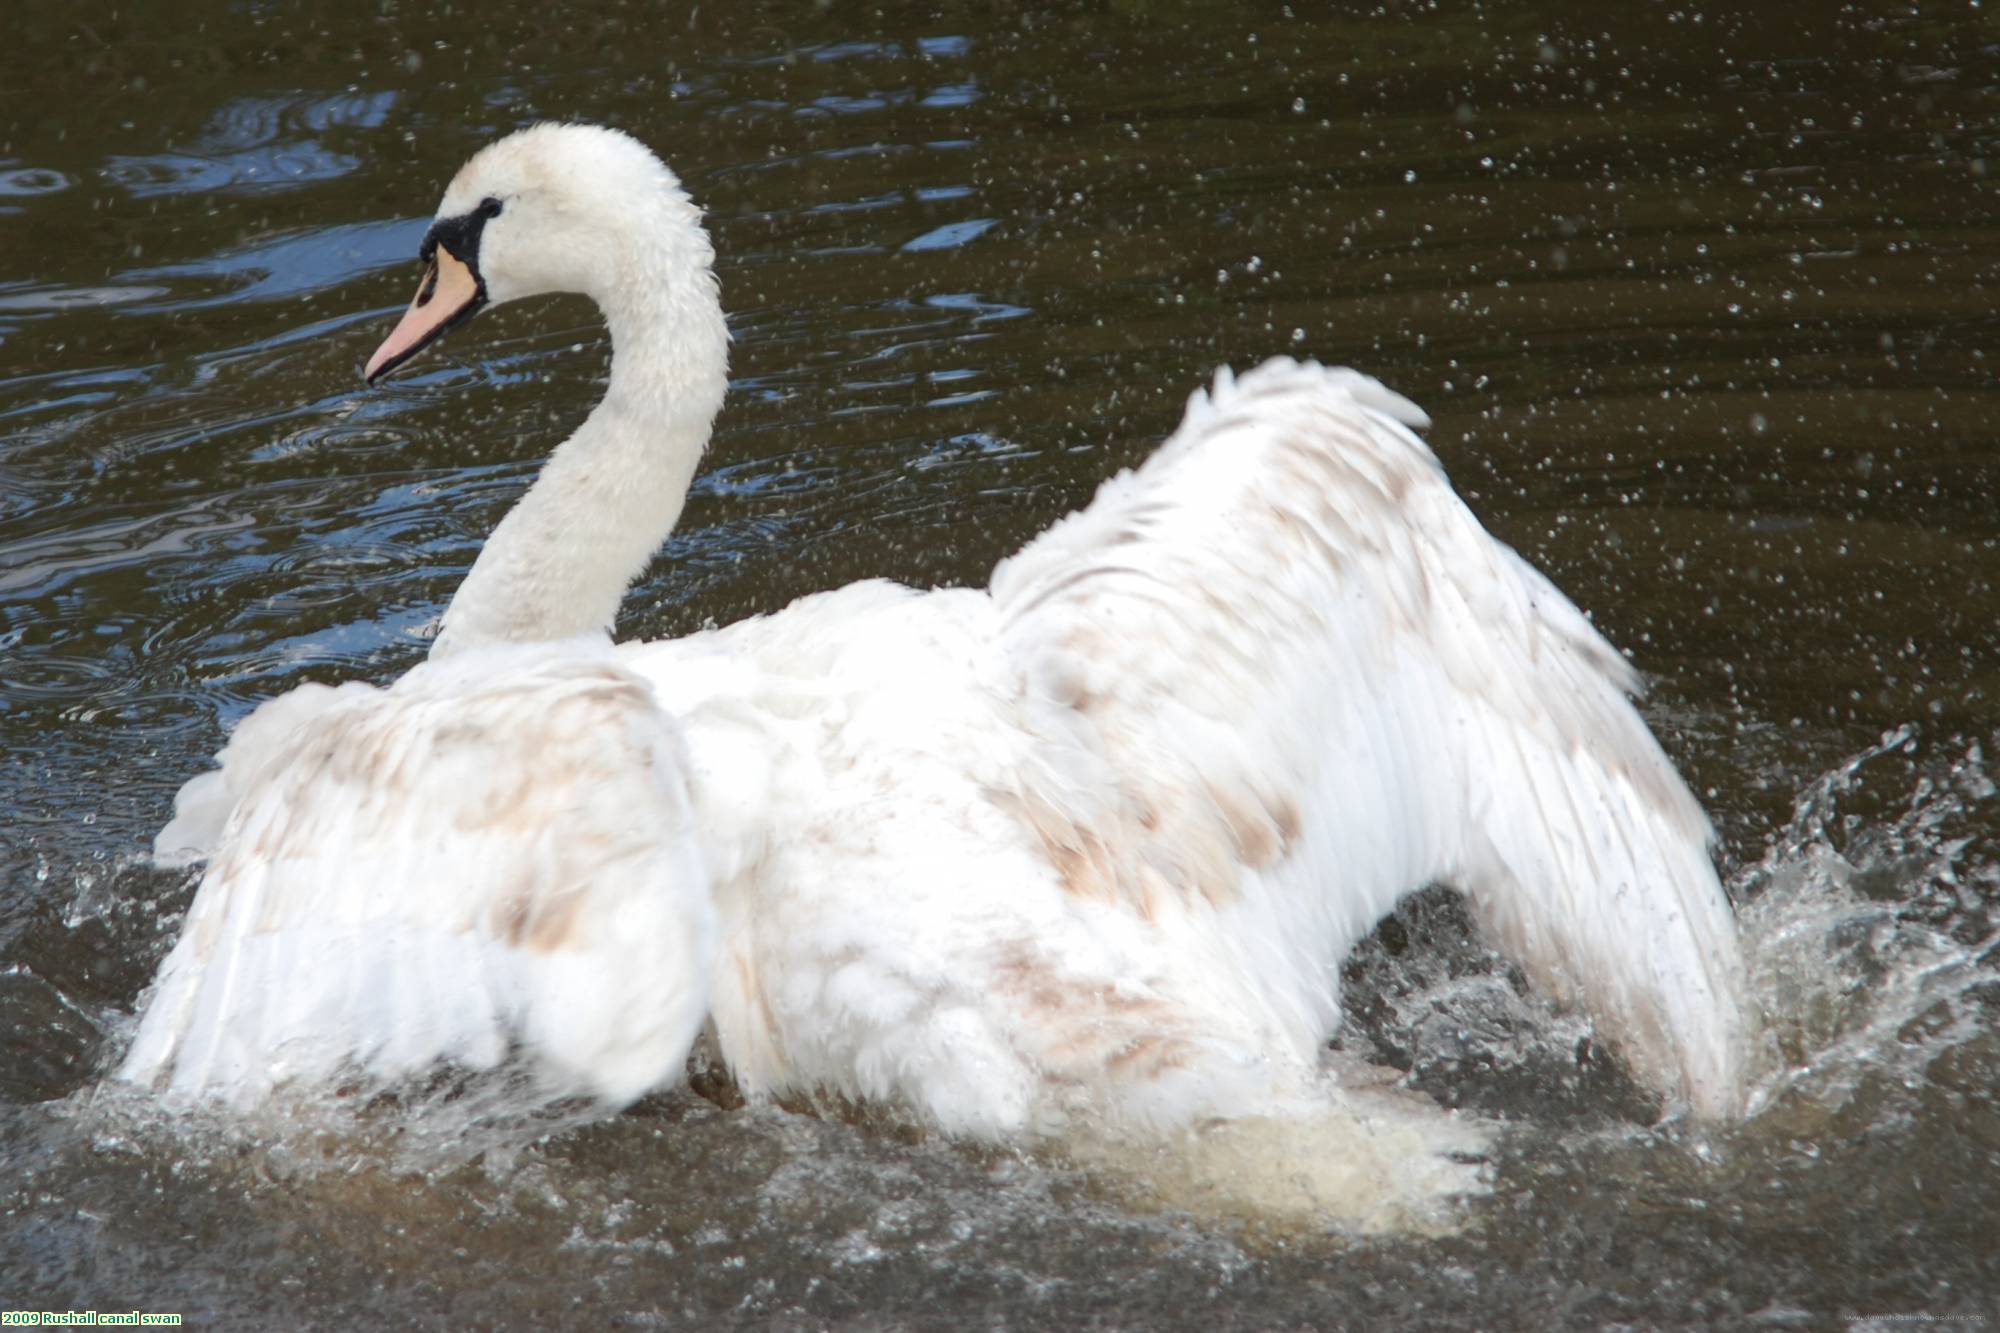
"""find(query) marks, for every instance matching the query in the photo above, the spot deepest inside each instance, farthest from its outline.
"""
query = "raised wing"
(1285, 663)
(492, 857)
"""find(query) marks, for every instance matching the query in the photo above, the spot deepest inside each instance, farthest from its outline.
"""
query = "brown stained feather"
(514, 908)
(1153, 860)
(538, 758)
(757, 1002)
(533, 918)
(1086, 867)
(1226, 610)
(270, 838)
(1285, 814)
(1305, 537)
(1150, 889)
(1148, 1056)
(1251, 828)
(1102, 1027)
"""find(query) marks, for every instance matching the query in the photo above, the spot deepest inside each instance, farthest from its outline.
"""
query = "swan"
(1089, 844)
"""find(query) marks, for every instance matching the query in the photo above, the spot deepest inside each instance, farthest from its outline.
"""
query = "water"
(1701, 300)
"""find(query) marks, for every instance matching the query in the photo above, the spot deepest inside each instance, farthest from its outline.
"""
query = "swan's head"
(555, 208)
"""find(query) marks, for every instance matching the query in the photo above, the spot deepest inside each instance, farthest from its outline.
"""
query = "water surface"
(1701, 300)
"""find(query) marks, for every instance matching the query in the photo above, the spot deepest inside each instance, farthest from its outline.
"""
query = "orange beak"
(448, 296)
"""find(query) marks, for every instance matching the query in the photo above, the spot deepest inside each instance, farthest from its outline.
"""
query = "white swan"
(1093, 842)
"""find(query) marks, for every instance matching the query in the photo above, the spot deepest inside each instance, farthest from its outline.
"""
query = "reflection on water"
(1698, 298)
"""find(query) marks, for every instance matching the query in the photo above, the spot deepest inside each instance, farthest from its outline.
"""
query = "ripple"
(21, 182)
(979, 307)
(252, 145)
(959, 399)
(951, 235)
(952, 95)
(252, 169)
(37, 566)
(761, 477)
(936, 48)
(352, 566)
(40, 300)
(30, 676)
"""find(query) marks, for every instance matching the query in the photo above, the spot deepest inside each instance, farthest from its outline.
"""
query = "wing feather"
(1302, 670)
(494, 854)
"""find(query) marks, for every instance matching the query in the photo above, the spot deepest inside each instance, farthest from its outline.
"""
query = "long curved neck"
(558, 564)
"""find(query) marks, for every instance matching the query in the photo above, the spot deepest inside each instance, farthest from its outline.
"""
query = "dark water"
(1702, 301)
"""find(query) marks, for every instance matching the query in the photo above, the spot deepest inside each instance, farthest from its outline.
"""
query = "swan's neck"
(558, 564)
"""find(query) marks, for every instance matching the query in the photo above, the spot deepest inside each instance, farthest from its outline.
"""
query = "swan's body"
(1092, 842)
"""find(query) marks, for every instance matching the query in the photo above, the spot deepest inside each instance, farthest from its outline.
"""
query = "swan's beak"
(448, 296)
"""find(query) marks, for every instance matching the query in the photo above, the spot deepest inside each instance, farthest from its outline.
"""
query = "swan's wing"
(204, 802)
(491, 857)
(1283, 659)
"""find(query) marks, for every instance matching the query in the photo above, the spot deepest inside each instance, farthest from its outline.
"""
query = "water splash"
(1868, 925)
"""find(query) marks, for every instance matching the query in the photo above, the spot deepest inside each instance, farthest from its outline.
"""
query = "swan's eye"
(489, 207)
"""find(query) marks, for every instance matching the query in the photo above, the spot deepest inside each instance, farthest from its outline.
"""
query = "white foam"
(1365, 1160)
